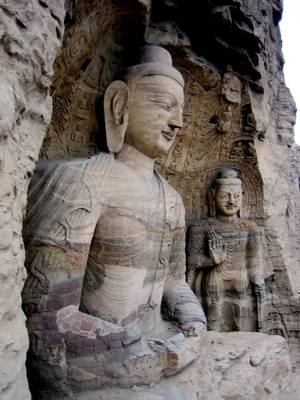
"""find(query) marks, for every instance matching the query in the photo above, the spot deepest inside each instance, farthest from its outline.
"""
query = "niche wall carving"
(220, 120)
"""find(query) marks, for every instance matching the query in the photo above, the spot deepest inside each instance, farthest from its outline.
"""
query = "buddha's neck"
(137, 160)
(228, 219)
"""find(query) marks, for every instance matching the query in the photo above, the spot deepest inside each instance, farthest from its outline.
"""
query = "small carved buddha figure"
(105, 243)
(224, 262)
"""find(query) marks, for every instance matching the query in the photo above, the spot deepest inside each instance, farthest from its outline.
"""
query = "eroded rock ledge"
(231, 366)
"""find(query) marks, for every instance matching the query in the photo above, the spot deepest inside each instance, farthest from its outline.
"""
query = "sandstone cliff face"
(238, 112)
(30, 37)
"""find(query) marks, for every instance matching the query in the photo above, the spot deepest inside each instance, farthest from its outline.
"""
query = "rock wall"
(30, 34)
(238, 112)
(230, 366)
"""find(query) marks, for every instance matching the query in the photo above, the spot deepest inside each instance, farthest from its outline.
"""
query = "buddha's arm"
(60, 225)
(52, 298)
(196, 249)
(182, 304)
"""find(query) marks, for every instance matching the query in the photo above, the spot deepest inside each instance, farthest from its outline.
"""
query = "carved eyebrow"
(165, 97)
(226, 192)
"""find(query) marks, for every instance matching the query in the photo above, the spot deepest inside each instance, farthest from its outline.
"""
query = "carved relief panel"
(92, 54)
(220, 126)
(215, 134)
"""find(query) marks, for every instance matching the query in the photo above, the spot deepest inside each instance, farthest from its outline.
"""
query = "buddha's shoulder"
(84, 164)
(66, 171)
(167, 186)
(202, 227)
(66, 165)
(170, 192)
(59, 181)
(211, 225)
(249, 225)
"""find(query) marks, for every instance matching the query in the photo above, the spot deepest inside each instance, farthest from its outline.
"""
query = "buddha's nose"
(175, 122)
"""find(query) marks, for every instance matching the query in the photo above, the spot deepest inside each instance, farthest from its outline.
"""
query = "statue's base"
(230, 366)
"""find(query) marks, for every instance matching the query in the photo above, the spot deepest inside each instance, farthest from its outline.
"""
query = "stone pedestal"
(231, 366)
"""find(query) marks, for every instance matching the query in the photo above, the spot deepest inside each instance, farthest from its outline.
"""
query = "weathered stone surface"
(231, 366)
(224, 262)
(30, 35)
(238, 112)
(105, 243)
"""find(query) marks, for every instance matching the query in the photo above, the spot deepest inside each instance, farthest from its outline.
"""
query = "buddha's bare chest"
(133, 228)
(130, 208)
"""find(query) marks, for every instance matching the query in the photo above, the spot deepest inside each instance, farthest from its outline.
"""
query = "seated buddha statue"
(106, 297)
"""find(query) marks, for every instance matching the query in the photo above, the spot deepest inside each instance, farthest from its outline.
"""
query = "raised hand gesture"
(217, 247)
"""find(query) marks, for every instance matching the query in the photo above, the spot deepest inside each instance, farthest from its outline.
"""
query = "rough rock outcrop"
(30, 35)
(231, 366)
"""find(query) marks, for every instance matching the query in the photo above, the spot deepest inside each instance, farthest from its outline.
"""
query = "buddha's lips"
(169, 135)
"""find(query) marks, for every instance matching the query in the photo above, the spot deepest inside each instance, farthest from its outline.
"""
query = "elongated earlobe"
(116, 100)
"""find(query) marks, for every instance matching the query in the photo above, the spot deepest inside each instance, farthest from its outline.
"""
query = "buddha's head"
(145, 109)
(225, 197)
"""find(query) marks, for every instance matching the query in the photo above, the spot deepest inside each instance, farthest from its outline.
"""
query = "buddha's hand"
(193, 328)
(217, 250)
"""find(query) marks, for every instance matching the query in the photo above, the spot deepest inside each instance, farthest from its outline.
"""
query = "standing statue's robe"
(227, 290)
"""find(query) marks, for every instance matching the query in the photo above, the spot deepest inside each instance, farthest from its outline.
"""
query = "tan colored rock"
(242, 43)
(30, 37)
(231, 366)
(224, 264)
(105, 241)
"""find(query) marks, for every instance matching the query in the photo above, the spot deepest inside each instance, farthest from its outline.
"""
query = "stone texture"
(105, 249)
(224, 261)
(238, 112)
(30, 37)
(231, 366)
